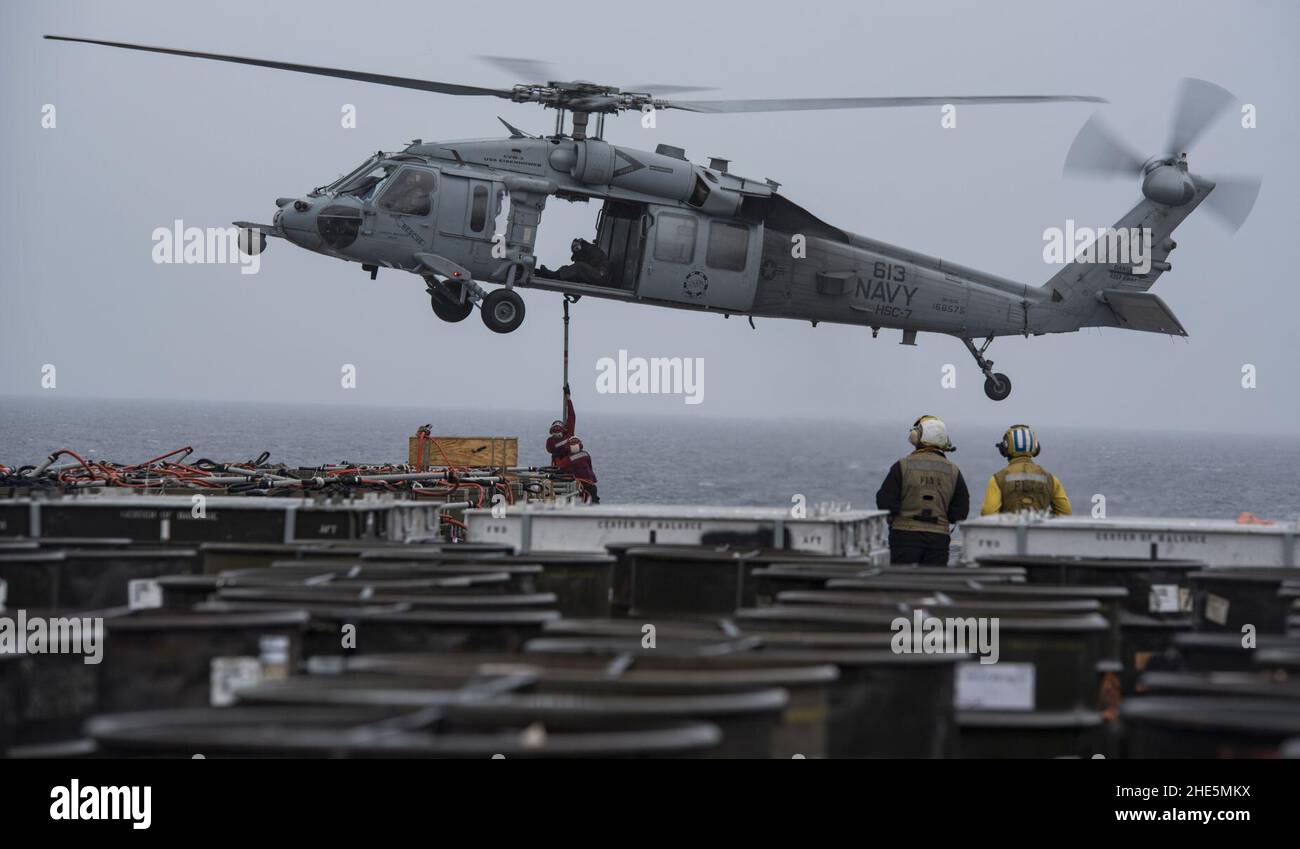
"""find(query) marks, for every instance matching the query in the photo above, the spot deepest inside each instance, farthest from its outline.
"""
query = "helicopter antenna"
(515, 132)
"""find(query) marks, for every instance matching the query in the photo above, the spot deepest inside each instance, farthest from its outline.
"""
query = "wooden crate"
(465, 451)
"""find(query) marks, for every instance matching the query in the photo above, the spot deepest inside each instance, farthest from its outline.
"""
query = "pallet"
(496, 452)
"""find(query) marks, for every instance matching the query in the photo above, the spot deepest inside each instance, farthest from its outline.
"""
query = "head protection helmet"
(930, 432)
(1019, 441)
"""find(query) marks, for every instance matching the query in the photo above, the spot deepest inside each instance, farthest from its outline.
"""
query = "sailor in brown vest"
(1023, 484)
(925, 494)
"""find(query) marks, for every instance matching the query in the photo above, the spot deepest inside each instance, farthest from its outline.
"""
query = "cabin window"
(675, 238)
(409, 193)
(478, 209)
(728, 246)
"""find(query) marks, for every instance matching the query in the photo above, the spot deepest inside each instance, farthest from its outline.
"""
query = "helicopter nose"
(297, 220)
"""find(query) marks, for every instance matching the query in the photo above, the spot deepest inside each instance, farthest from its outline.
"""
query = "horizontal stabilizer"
(267, 229)
(1142, 311)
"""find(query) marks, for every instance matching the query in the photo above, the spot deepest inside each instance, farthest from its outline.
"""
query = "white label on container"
(144, 594)
(1164, 598)
(995, 686)
(1216, 609)
(274, 651)
(1184, 600)
(229, 675)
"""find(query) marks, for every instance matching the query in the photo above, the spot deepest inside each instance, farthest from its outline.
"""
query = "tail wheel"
(448, 309)
(502, 310)
(997, 386)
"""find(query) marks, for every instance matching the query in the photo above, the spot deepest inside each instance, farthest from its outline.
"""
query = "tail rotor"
(1099, 153)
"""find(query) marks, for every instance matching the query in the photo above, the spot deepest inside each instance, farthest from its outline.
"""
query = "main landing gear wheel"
(449, 310)
(997, 386)
(502, 310)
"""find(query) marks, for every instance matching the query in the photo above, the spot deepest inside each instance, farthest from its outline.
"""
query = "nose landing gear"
(996, 385)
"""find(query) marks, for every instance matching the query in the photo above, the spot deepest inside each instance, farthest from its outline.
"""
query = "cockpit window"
(362, 185)
(360, 170)
(408, 192)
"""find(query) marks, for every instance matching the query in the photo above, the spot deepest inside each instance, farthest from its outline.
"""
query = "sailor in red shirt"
(567, 453)
(561, 431)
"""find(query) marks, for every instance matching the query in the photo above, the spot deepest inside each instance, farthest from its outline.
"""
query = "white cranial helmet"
(930, 431)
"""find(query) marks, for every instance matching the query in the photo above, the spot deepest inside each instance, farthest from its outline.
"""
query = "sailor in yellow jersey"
(1023, 484)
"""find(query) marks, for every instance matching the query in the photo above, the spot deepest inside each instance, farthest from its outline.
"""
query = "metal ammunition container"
(1225, 651)
(1157, 588)
(162, 659)
(1147, 643)
(1207, 726)
(347, 732)
(582, 582)
(1251, 685)
(769, 581)
(46, 697)
(87, 578)
(1229, 598)
(748, 719)
(1036, 734)
(680, 580)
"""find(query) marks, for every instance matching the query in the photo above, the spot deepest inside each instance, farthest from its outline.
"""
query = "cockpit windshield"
(364, 177)
(363, 185)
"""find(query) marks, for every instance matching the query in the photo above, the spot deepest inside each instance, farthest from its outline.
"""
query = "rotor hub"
(582, 96)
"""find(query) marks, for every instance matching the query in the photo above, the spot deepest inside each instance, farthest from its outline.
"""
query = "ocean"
(684, 460)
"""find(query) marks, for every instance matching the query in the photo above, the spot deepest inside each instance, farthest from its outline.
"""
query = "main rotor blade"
(1097, 151)
(360, 76)
(655, 88)
(801, 104)
(1232, 200)
(524, 70)
(1199, 103)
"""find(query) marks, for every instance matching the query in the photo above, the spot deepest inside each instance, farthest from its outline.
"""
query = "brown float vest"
(1025, 485)
(929, 479)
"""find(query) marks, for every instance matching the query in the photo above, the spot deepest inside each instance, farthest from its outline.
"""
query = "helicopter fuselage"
(677, 234)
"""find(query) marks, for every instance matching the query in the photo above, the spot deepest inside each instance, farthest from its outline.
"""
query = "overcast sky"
(144, 139)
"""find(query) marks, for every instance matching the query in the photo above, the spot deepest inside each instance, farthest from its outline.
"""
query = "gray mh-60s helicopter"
(683, 235)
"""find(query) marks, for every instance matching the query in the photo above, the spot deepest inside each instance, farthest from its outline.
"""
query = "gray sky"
(144, 139)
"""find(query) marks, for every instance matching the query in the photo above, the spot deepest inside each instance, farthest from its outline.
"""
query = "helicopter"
(673, 233)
